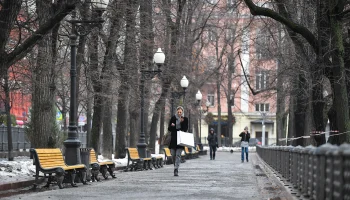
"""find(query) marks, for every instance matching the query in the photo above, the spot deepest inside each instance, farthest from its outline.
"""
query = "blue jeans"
(244, 149)
(176, 156)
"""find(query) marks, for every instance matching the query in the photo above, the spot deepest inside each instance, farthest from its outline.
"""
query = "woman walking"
(177, 123)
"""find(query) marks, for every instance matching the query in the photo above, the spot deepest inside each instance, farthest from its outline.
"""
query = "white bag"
(185, 139)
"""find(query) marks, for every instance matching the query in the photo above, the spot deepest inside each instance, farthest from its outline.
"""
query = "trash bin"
(85, 159)
(200, 147)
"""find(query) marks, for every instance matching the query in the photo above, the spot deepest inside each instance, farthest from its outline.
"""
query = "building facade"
(242, 49)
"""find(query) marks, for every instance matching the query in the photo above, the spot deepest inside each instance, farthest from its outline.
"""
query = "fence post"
(320, 169)
(311, 176)
(329, 172)
(300, 164)
(305, 181)
(279, 159)
(346, 174)
(338, 171)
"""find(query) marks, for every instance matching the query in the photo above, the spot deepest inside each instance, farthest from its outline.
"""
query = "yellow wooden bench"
(135, 162)
(50, 161)
(168, 158)
(157, 161)
(192, 154)
(187, 152)
(102, 167)
(201, 151)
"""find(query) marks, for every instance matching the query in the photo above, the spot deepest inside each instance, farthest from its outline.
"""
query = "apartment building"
(247, 72)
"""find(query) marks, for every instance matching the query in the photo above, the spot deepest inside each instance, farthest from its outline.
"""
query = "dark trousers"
(212, 152)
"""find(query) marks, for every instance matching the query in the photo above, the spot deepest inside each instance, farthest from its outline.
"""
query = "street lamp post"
(79, 28)
(263, 129)
(199, 99)
(175, 95)
(159, 59)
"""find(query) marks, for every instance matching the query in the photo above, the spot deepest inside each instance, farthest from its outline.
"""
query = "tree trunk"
(89, 102)
(8, 119)
(97, 86)
(155, 118)
(96, 121)
(121, 128)
(146, 54)
(219, 108)
(43, 98)
(131, 64)
(107, 78)
(162, 128)
(340, 99)
(107, 147)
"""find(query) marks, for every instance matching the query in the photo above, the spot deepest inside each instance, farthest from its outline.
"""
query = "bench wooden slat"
(51, 161)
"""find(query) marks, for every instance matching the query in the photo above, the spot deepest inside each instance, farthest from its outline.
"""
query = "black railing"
(315, 173)
(20, 142)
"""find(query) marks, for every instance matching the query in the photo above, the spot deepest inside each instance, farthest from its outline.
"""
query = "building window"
(232, 100)
(211, 35)
(261, 79)
(211, 98)
(231, 33)
(263, 45)
(245, 41)
(262, 107)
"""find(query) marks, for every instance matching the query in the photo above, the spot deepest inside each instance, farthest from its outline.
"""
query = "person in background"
(245, 136)
(213, 143)
(177, 123)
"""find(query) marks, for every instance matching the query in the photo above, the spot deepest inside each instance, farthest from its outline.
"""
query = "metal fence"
(314, 173)
(20, 142)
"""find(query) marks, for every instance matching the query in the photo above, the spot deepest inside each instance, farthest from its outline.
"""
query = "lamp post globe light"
(207, 104)
(158, 59)
(199, 99)
(79, 28)
(175, 95)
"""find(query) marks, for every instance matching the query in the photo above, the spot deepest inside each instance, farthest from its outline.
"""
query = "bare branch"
(297, 28)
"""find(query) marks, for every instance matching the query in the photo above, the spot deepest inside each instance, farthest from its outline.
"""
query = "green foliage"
(3, 119)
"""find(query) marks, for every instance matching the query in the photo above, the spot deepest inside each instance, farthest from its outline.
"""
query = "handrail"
(313, 172)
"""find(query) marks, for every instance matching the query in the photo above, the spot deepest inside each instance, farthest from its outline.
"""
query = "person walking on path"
(177, 123)
(213, 143)
(245, 136)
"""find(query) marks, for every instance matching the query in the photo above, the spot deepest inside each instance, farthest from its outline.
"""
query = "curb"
(5, 188)
(16, 185)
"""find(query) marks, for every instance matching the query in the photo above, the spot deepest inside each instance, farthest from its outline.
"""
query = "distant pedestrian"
(245, 136)
(177, 123)
(213, 143)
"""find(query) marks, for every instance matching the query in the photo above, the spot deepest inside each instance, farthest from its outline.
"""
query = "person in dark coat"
(213, 143)
(177, 123)
(245, 136)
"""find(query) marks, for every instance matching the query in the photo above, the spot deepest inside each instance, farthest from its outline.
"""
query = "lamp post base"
(72, 151)
(141, 147)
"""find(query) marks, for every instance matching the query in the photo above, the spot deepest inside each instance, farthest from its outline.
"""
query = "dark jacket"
(212, 139)
(245, 137)
(173, 130)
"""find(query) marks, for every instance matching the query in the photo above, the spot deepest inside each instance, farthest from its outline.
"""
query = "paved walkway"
(201, 178)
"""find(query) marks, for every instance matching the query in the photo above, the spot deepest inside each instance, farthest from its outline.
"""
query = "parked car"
(254, 142)
(236, 144)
